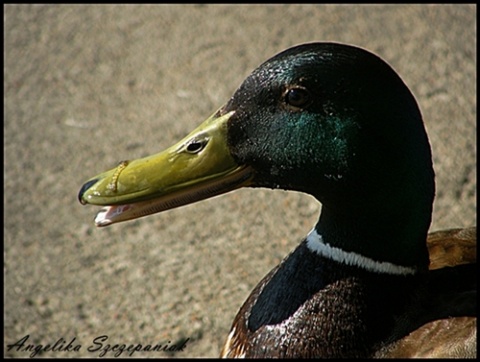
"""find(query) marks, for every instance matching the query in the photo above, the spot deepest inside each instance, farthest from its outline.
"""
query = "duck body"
(312, 306)
(338, 123)
(346, 311)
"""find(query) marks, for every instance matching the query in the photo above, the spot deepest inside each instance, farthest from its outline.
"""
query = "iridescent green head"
(331, 120)
(328, 119)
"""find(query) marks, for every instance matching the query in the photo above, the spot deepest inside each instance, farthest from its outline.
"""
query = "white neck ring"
(316, 244)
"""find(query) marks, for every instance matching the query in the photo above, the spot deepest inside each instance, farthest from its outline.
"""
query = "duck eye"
(196, 145)
(297, 97)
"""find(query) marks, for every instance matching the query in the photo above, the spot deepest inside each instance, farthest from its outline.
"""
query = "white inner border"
(316, 244)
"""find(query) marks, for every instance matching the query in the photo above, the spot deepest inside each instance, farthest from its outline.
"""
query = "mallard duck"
(334, 121)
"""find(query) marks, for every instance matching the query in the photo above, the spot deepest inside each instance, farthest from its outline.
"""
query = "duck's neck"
(390, 243)
(316, 243)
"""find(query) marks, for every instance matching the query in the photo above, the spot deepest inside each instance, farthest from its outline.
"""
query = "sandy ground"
(88, 86)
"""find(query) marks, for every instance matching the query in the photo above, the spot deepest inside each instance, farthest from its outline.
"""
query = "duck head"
(331, 120)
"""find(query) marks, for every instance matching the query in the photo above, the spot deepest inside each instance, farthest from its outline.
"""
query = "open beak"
(198, 167)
